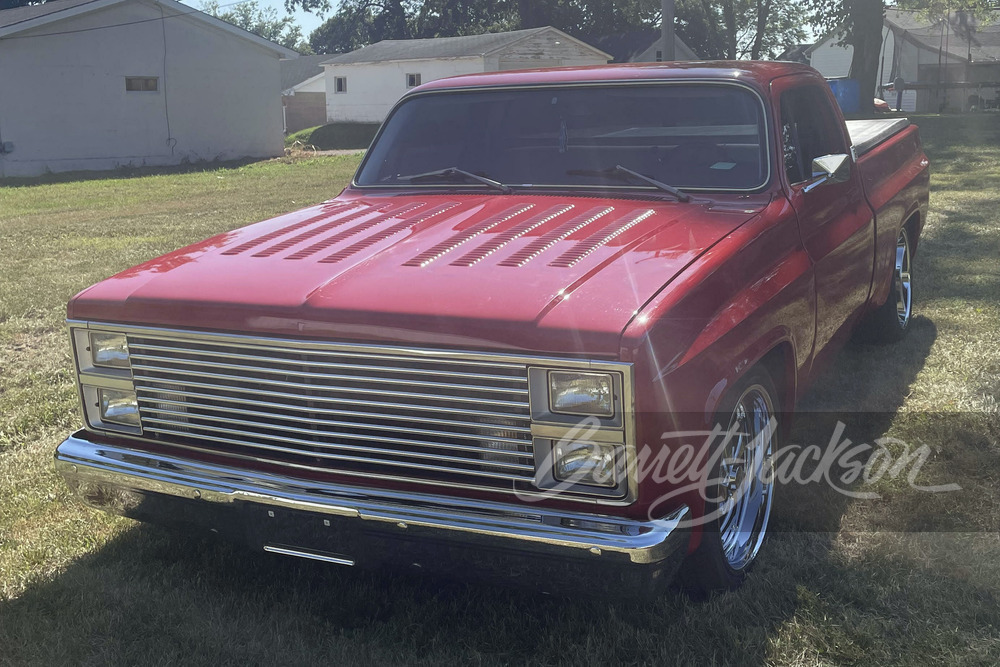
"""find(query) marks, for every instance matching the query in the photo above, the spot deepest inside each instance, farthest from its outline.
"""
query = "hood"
(528, 273)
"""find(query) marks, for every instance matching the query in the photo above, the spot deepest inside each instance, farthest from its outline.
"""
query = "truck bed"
(866, 134)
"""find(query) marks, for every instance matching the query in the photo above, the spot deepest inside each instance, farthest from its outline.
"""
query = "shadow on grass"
(155, 597)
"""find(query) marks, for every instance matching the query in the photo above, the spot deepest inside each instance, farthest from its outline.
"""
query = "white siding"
(373, 88)
(70, 110)
(316, 84)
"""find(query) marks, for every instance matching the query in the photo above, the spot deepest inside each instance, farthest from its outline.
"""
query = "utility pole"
(667, 27)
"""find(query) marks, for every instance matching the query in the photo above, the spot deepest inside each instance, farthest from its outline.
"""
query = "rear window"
(693, 136)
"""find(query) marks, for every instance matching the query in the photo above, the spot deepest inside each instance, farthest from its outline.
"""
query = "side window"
(809, 130)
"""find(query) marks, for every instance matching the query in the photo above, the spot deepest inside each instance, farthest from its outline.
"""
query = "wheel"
(739, 490)
(891, 321)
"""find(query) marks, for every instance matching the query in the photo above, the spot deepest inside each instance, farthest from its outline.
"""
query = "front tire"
(891, 321)
(739, 490)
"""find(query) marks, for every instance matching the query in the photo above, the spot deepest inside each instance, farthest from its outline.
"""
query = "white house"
(303, 92)
(951, 64)
(641, 46)
(96, 84)
(363, 85)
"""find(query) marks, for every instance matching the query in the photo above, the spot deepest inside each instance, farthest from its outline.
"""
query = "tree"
(358, 23)
(736, 29)
(714, 28)
(262, 21)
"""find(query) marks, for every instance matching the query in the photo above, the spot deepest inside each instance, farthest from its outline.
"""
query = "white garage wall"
(373, 88)
(65, 106)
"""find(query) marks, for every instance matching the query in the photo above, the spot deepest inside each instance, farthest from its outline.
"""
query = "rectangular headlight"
(589, 463)
(109, 350)
(572, 393)
(119, 407)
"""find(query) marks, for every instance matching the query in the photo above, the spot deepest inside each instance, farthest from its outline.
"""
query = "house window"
(659, 56)
(340, 84)
(142, 84)
(412, 80)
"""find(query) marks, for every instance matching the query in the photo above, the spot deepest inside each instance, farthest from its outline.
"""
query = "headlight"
(590, 463)
(581, 393)
(109, 350)
(119, 407)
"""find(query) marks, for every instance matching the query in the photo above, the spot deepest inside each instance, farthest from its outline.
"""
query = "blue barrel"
(848, 94)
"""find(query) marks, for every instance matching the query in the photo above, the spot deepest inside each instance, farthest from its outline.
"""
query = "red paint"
(694, 294)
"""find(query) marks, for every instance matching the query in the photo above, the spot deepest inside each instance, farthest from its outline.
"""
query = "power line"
(127, 23)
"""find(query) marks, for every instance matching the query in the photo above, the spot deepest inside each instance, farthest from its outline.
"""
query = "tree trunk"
(866, 19)
(763, 11)
(729, 18)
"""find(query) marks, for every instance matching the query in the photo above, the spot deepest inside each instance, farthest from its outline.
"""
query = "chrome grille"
(386, 413)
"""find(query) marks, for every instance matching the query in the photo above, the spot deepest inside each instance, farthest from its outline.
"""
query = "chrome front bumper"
(355, 526)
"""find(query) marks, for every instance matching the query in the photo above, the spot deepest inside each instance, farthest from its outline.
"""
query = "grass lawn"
(911, 578)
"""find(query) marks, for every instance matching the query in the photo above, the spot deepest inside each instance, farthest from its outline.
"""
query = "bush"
(343, 136)
(301, 136)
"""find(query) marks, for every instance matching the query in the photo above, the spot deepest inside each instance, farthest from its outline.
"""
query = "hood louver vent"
(387, 233)
(328, 212)
(516, 232)
(446, 246)
(549, 239)
(596, 240)
(338, 221)
(353, 231)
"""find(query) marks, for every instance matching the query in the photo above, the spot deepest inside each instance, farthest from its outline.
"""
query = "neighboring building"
(363, 85)
(641, 46)
(96, 84)
(942, 66)
(303, 92)
(796, 54)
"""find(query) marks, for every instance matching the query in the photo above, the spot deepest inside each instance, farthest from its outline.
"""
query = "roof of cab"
(755, 72)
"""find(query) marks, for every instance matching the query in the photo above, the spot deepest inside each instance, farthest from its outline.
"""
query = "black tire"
(891, 322)
(711, 567)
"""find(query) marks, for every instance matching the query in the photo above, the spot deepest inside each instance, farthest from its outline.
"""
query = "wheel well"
(912, 226)
(779, 364)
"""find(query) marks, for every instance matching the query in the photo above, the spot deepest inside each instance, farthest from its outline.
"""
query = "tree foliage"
(713, 28)
(737, 29)
(262, 21)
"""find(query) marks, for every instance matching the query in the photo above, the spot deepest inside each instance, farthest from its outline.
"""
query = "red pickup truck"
(492, 352)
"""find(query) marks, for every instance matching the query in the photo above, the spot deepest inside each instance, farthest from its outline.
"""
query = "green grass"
(78, 586)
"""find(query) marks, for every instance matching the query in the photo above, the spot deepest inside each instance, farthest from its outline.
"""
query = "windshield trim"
(765, 184)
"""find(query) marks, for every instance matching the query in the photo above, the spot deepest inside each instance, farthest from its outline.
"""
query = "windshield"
(691, 136)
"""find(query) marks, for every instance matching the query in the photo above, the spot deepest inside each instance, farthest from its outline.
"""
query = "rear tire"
(739, 490)
(891, 321)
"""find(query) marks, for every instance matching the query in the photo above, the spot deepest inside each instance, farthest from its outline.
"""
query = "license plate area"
(303, 535)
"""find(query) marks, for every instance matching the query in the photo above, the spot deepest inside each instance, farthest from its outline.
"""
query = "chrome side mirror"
(828, 169)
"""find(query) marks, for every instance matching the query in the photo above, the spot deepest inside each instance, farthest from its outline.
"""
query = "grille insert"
(447, 421)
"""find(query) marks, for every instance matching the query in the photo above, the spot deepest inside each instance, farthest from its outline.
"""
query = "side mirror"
(829, 169)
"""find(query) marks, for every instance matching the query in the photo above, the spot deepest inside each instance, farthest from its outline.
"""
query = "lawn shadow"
(154, 596)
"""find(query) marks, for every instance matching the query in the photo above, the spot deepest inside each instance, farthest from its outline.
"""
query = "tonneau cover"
(866, 134)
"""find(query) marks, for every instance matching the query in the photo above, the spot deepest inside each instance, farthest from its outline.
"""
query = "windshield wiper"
(619, 169)
(455, 171)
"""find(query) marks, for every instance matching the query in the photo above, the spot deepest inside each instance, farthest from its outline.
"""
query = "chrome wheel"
(904, 296)
(745, 478)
